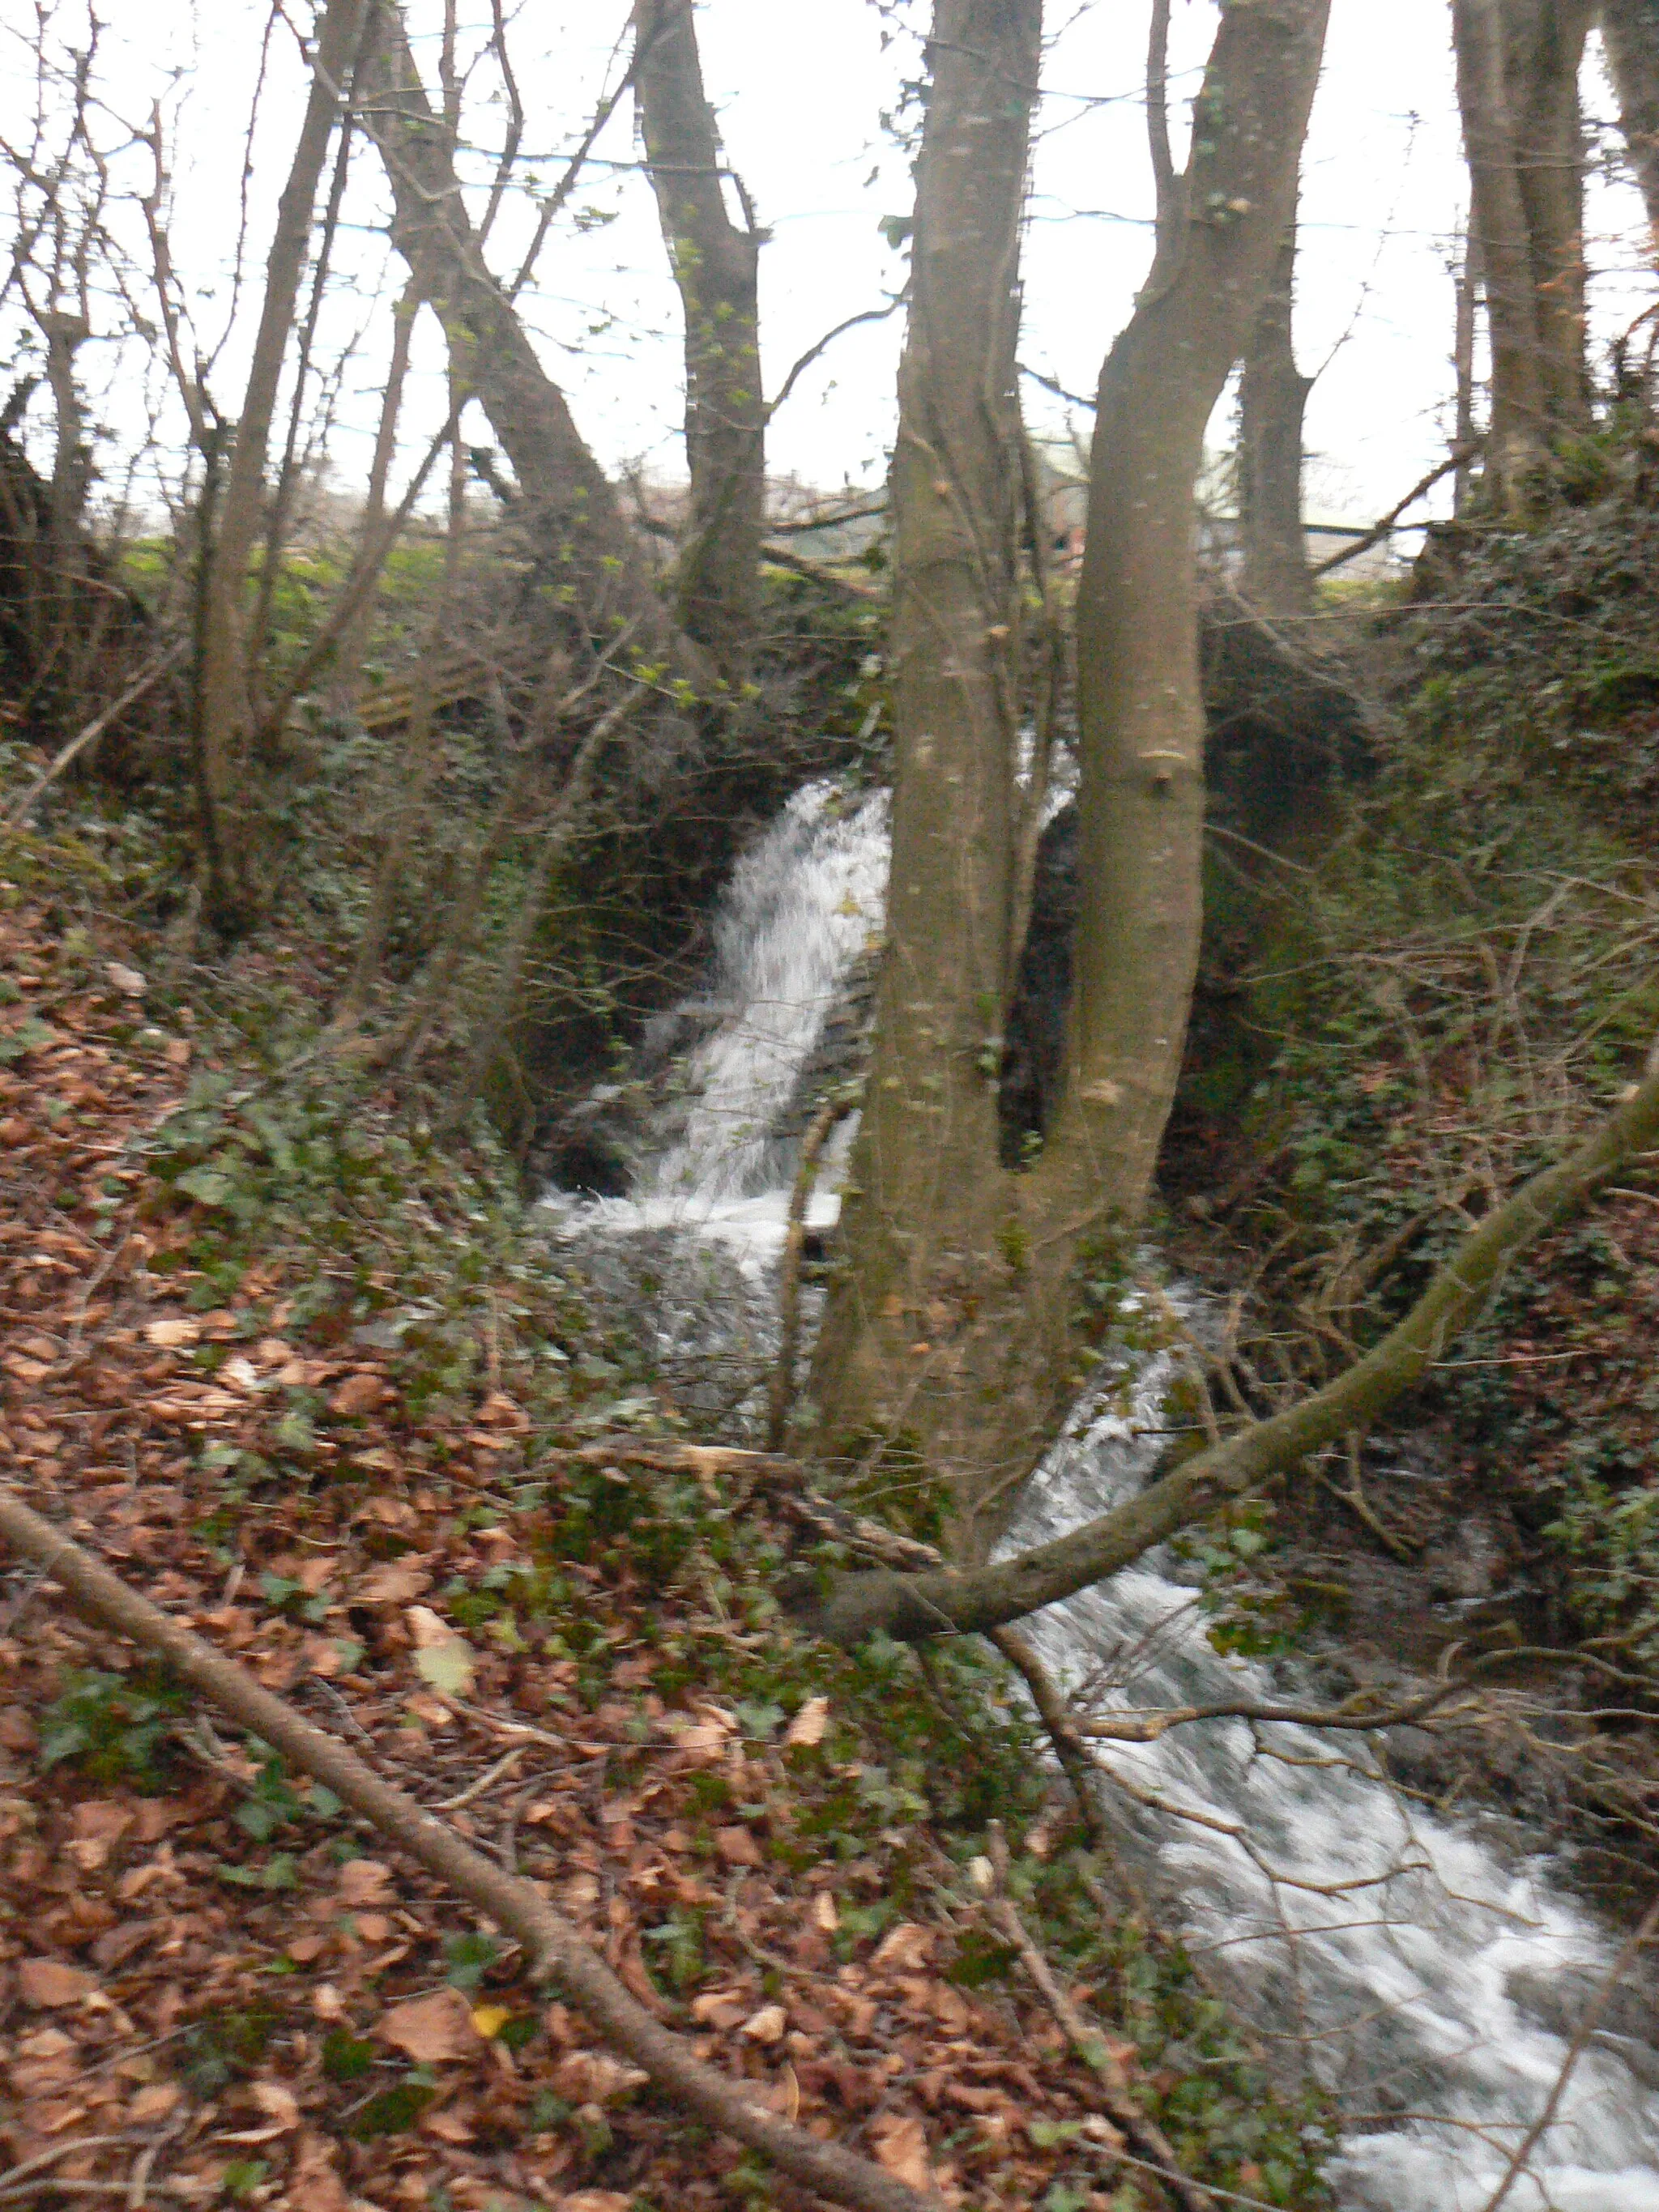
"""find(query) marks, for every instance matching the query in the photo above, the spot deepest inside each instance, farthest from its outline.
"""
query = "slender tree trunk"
(922, 1218)
(1518, 79)
(1548, 52)
(1139, 707)
(567, 493)
(1631, 28)
(951, 1326)
(345, 677)
(1468, 290)
(223, 668)
(716, 267)
(1273, 402)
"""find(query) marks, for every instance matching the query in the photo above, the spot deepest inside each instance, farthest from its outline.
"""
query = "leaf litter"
(213, 1989)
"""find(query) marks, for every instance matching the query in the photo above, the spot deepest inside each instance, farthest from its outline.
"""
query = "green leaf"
(449, 1666)
(345, 2057)
(393, 2111)
(470, 1959)
(206, 1184)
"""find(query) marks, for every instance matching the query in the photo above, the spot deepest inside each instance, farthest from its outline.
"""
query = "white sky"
(803, 86)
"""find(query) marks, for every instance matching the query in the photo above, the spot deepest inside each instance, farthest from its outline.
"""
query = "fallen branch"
(553, 1949)
(785, 1479)
(912, 1607)
(18, 812)
(1116, 2096)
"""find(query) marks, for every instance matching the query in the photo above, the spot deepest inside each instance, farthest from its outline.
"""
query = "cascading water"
(1389, 1948)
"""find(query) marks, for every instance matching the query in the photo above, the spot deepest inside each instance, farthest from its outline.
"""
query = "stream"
(1429, 1977)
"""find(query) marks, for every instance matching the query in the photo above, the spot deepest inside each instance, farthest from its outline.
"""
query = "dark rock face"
(1034, 1040)
(1283, 731)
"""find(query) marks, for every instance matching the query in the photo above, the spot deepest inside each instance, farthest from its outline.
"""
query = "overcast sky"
(804, 88)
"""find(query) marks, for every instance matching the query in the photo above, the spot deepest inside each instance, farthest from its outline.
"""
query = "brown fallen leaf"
(450, 2125)
(900, 2143)
(904, 1949)
(46, 1982)
(364, 1881)
(595, 2200)
(392, 1583)
(359, 1392)
(593, 2077)
(178, 1329)
(17, 1730)
(430, 2030)
(809, 1723)
(737, 1846)
(768, 2025)
(280, 2103)
(153, 2102)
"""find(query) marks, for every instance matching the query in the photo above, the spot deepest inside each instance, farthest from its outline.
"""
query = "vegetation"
(354, 836)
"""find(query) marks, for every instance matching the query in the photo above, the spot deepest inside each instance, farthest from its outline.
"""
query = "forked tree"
(953, 1341)
(951, 1329)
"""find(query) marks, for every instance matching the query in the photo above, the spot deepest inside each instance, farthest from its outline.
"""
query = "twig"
(1455, 460)
(490, 1776)
(147, 679)
(780, 1392)
(1076, 1762)
(554, 1948)
(1117, 2096)
(43, 2159)
(1587, 2028)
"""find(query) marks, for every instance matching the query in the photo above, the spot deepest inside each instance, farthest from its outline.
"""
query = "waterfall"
(1397, 1951)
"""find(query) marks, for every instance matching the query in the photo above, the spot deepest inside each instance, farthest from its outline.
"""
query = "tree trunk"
(921, 1217)
(1517, 86)
(1549, 47)
(1273, 401)
(222, 673)
(716, 268)
(1141, 715)
(951, 1326)
(1631, 28)
(567, 493)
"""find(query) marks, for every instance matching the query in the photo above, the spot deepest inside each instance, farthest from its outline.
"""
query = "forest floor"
(329, 1415)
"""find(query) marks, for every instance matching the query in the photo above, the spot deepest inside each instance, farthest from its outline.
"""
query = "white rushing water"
(1385, 1946)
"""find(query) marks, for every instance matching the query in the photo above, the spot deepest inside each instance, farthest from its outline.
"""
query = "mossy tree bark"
(921, 1224)
(716, 265)
(950, 1328)
(1631, 28)
(915, 1607)
(1518, 86)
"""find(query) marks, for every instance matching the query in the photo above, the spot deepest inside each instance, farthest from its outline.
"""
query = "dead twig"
(553, 1947)
(1587, 2028)
(1148, 2138)
(780, 1392)
(18, 812)
(1076, 1760)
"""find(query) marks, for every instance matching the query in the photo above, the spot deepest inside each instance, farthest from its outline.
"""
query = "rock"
(1557, 1999)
